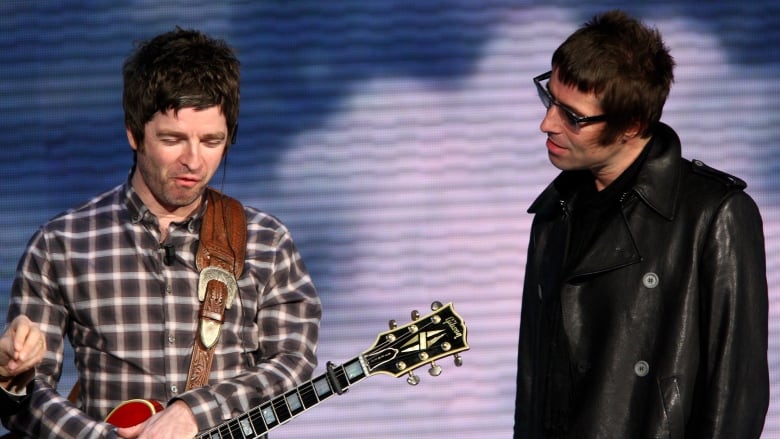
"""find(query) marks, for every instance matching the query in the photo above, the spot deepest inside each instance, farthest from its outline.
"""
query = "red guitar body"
(133, 412)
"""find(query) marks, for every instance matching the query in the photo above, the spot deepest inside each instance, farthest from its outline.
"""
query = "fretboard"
(280, 409)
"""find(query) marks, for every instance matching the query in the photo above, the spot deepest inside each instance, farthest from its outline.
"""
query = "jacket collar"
(656, 183)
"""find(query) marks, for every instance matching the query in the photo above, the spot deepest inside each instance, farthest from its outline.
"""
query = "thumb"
(131, 432)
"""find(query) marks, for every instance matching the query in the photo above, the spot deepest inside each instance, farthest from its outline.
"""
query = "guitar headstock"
(423, 340)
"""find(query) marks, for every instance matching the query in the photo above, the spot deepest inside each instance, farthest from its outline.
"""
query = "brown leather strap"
(220, 260)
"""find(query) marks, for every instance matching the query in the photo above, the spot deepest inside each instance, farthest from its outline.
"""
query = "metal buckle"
(215, 273)
(209, 329)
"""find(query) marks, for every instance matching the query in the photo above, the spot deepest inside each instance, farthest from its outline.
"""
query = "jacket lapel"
(613, 249)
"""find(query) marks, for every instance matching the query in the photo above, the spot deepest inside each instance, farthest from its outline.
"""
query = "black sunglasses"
(575, 121)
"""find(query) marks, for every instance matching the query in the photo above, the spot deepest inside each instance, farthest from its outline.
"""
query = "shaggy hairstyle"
(625, 63)
(180, 69)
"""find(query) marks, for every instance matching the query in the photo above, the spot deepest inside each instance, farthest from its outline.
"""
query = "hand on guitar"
(22, 347)
(176, 421)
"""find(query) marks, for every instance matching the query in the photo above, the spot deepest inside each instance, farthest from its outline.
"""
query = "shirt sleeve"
(50, 415)
(35, 294)
(288, 318)
(12, 402)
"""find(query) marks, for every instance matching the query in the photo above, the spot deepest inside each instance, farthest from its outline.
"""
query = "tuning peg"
(413, 379)
(435, 369)
(458, 360)
(392, 324)
(415, 314)
(436, 305)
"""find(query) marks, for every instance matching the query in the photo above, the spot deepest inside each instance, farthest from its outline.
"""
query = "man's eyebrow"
(216, 136)
(173, 133)
(169, 133)
(561, 104)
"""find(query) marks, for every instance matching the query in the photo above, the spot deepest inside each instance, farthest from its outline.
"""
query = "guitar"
(395, 352)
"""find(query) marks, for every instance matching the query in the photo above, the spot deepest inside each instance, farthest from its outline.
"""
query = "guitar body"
(133, 412)
(127, 414)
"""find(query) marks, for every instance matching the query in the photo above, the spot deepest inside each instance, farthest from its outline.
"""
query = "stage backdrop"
(399, 141)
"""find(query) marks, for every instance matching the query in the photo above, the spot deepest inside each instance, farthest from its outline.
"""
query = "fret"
(354, 371)
(247, 427)
(308, 395)
(229, 430)
(217, 433)
(322, 387)
(282, 411)
(256, 419)
(294, 402)
(269, 416)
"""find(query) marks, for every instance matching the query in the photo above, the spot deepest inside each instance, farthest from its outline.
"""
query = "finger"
(23, 332)
(32, 347)
(31, 355)
(6, 347)
(6, 354)
(130, 432)
(19, 366)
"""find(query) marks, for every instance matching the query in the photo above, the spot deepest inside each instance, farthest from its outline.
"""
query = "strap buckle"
(209, 327)
(221, 275)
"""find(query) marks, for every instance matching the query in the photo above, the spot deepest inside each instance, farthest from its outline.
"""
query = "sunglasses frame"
(575, 121)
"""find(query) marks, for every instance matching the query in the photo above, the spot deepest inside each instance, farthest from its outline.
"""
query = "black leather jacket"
(665, 315)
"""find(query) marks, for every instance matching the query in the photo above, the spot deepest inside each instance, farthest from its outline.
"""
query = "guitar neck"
(280, 409)
(395, 352)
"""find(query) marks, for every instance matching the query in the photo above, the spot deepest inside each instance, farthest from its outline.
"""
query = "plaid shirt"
(96, 274)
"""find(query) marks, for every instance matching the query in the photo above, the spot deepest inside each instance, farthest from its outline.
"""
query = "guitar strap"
(220, 260)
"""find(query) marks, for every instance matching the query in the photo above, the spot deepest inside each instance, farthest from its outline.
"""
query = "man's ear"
(632, 131)
(131, 139)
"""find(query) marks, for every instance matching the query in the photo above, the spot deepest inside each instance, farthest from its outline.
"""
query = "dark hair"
(180, 69)
(626, 65)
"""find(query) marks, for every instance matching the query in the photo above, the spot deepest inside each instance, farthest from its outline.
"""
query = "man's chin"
(182, 199)
(559, 162)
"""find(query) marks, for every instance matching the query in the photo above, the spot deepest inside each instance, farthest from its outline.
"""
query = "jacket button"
(641, 368)
(650, 280)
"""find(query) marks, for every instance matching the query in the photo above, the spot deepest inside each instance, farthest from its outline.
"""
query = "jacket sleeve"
(735, 381)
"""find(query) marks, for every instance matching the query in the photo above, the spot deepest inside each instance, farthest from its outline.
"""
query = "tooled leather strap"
(220, 260)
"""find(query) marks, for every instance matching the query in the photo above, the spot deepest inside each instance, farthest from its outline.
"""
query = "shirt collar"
(141, 214)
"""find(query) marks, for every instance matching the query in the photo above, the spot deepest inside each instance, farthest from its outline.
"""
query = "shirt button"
(641, 368)
(171, 339)
(168, 289)
(174, 389)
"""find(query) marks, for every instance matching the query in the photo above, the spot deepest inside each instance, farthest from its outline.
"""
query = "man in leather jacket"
(645, 301)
